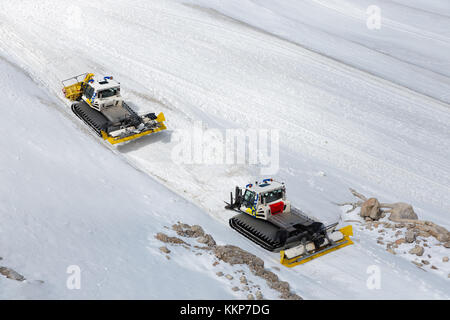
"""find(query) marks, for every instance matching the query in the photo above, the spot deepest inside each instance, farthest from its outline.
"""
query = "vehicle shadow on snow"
(159, 137)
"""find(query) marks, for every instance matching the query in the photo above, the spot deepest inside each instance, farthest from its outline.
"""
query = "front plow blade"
(116, 140)
(294, 261)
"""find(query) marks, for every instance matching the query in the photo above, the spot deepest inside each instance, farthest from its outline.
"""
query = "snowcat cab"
(265, 200)
(102, 94)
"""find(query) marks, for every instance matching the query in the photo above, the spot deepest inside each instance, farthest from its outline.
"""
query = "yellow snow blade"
(346, 241)
(160, 118)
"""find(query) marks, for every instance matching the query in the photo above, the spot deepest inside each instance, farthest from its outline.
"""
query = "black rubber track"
(91, 117)
(259, 231)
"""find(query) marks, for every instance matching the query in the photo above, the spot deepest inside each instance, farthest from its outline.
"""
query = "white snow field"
(354, 107)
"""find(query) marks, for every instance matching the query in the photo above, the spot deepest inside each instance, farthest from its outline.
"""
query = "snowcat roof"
(103, 84)
(265, 186)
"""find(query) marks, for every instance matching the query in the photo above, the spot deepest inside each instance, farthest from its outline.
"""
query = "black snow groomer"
(267, 218)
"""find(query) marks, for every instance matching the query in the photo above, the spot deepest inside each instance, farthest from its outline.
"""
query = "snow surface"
(95, 211)
(378, 123)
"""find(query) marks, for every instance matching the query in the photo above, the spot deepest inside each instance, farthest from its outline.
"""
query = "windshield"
(272, 196)
(89, 92)
(249, 198)
(109, 92)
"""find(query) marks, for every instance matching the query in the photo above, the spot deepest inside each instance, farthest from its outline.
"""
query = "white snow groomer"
(99, 104)
(267, 218)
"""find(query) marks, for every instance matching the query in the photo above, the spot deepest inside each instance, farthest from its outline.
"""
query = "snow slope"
(95, 211)
(410, 48)
(340, 125)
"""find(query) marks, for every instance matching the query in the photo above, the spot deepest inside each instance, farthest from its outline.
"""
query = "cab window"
(108, 93)
(249, 198)
(272, 196)
(89, 92)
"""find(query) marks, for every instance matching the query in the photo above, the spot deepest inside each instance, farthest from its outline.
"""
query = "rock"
(447, 244)
(281, 286)
(202, 239)
(371, 209)
(219, 274)
(425, 262)
(207, 239)
(400, 211)
(229, 277)
(11, 274)
(258, 295)
(243, 280)
(398, 233)
(434, 267)
(250, 297)
(164, 249)
(235, 255)
(440, 233)
(215, 263)
(197, 231)
(417, 250)
(400, 241)
(417, 263)
(291, 296)
(245, 288)
(186, 230)
(445, 259)
(380, 242)
(235, 289)
(390, 250)
(410, 236)
(165, 238)
(211, 242)
(424, 234)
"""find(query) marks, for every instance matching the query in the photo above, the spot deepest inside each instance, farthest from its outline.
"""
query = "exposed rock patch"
(232, 255)
(235, 255)
(402, 232)
(417, 250)
(372, 209)
(166, 239)
(164, 249)
(11, 274)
